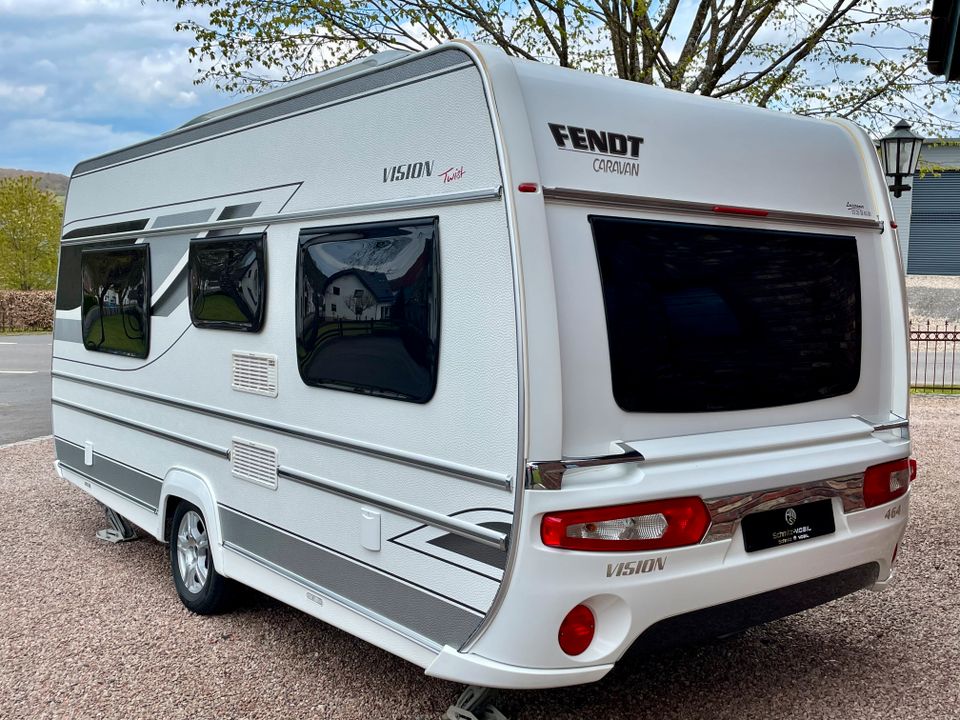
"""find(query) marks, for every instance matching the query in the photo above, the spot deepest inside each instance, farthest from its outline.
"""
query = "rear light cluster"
(886, 482)
(639, 526)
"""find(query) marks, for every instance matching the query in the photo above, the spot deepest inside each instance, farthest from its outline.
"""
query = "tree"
(29, 234)
(860, 59)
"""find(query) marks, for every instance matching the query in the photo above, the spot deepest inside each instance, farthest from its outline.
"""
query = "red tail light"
(886, 482)
(640, 526)
(576, 630)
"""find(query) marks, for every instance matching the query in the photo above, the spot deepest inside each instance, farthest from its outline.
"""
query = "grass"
(25, 331)
(115, 336)
(936, 390)
(221, 308)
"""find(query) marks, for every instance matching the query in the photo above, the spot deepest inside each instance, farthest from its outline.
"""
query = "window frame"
(307, 237)
(260, 242)
(147, 309)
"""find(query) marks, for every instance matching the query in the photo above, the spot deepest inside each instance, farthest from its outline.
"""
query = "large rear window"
(706, 318)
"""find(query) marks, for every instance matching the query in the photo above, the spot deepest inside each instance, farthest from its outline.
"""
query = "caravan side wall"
(380, 515)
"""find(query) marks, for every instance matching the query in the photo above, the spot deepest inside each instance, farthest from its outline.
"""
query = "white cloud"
(82, 77)
(92, 138)
(16, 95)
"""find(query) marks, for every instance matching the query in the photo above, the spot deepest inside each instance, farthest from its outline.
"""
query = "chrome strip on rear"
(727, 512)
(548, 475)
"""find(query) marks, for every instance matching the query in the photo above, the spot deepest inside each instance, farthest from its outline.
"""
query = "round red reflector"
(576, 630)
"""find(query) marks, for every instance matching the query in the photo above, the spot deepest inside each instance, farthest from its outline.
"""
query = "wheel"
(201, 588)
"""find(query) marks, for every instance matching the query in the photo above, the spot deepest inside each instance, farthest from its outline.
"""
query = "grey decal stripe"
(432, 464)
(486, 555)
(422, 612)
(126, 480)
(124, 226)
(362, 84)
(67, 330)
(407, 203)
(477, 533)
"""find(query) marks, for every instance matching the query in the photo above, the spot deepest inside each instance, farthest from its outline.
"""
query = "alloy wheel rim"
(193, 551)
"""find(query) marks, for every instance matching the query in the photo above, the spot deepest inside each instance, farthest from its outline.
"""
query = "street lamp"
(900, 154)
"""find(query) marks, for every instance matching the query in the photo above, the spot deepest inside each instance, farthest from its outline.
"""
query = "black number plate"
(785, 526)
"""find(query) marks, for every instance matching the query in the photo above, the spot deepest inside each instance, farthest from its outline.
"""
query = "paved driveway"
(24, 387)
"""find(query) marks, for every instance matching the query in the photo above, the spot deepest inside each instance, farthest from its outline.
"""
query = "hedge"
(26, 309)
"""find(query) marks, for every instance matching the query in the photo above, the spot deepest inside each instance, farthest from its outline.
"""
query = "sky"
(81, 77)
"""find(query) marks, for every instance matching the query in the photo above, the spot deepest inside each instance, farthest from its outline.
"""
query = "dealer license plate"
(785, 526)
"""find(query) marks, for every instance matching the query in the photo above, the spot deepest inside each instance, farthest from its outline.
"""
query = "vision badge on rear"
(636, 567)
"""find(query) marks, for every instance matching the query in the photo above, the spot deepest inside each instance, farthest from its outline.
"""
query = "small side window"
(116, 300)
(228, 282)
(382, 336)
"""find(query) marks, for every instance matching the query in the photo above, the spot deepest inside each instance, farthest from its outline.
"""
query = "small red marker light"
(913, 469)
(528, 187)
(576, 630)
(739, 211)
(893, 225)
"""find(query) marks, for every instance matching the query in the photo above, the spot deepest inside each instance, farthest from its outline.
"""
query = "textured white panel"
(254, 373)
(254, 462)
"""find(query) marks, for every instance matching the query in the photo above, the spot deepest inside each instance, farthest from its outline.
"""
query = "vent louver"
(254, 462)
(255, 373)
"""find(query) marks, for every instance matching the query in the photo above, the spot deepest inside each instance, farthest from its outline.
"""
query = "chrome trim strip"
(727, 512)
(333, 597)
(637, 202)
(899, 423)
(411, 203)
(150, 429)
(548, 475)
(444, 467)
(470, 531)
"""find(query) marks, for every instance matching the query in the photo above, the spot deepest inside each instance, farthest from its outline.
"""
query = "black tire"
(201, 588)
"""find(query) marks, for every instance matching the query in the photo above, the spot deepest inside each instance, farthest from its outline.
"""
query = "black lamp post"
(900, 155)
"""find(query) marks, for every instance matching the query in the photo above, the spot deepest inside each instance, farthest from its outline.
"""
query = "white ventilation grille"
(255, 373)
(254, 462)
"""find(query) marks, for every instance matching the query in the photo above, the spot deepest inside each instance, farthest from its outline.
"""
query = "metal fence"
(934, 358)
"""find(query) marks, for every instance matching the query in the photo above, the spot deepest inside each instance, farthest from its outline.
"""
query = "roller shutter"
(935, 225)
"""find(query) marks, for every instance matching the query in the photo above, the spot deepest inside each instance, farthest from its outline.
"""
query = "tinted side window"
(368, 308)
(228, 289)
(116, 300)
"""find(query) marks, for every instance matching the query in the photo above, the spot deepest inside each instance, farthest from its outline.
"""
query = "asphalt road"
(24, 387)
(91, 630)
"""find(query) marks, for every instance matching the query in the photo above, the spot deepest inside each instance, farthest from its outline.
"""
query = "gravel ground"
(933, 297)
(92, 630)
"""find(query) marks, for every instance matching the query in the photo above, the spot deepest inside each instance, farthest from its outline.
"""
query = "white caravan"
(502, 367)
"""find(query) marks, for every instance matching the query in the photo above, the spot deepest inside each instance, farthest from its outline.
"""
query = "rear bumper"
(738, 615)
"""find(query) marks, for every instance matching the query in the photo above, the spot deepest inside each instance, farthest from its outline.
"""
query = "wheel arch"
(182, 485)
